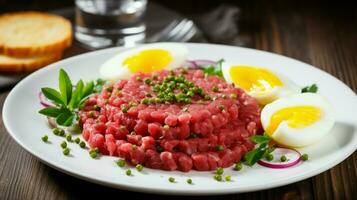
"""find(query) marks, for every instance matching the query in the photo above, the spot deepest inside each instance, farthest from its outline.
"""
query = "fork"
(176, 31)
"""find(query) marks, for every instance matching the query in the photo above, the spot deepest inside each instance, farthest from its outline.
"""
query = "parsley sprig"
(68, 99)
(214, 69)
(311, 89)
(260, 151)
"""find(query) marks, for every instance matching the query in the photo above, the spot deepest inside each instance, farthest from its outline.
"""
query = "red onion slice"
(43, 100)
(292, 155)
(199, 63)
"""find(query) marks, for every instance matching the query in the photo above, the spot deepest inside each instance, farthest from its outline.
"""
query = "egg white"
(113, 69)
(299, 137)
(263, 98)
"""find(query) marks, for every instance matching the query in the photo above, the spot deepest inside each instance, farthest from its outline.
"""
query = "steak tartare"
(172, 120)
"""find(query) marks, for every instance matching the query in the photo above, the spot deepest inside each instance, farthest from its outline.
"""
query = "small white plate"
(26, 126)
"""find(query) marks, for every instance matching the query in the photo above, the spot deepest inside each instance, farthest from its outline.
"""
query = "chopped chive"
(121, 163)
(304, 157)
(172, 179)
(193, 135)
(64, 144)
(217, 177)
(189, 181)
(138, 78)
(128, 172)
(185, 109)
(147, 81)
(124, 109)
(227, 178)
(238, 166)
(66, 151)
(44, 138)
(219, 171)
(139, 167)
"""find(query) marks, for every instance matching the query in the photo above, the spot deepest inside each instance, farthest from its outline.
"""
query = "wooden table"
(324, 35)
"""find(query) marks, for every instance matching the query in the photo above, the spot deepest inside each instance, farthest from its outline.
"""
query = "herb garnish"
(66, 100)
(311, 89)
(214, 69)
(260, 152)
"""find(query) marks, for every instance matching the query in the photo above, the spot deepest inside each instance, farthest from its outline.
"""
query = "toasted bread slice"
(33, 33)
(27, 64)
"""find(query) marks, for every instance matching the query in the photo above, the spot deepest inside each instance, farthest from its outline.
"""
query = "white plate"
(26, 126)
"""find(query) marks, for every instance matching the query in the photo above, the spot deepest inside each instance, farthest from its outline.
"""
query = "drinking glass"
(104, 23)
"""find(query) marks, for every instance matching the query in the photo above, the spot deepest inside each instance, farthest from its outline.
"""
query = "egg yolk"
(148, 61)
(295, 117)
(254, 79)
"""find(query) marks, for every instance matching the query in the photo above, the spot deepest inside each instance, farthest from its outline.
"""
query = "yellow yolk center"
(148, 61)
(254, 79)
(295, 117)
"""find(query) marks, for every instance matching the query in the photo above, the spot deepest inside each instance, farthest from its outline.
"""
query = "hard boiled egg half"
(262, 84)
(298, 120)
(146, 59)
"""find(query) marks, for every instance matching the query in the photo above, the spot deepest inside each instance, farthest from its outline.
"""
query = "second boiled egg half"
(298, 120)
(145, 59)
(261, 83)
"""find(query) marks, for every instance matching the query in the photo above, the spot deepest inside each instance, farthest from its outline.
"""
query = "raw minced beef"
(203, 134)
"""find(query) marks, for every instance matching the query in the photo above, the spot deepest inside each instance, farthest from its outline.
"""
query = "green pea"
(219, 148)
(172, 179)
(147, 81)
(219, 171)
(128, 172)
(304, 157)
(44, 138)
(56, 131)
(189, 181)
(77, 140)
(64, 144)
(269, 157)
(93, 154)
(238, 166)
(215, 89)
(66, 151)
(234, 96)
(82, 144)
(121, 163)
(217, 177)
(61, 132)
(124, 109)
(283, 158)
(227, 178)
(139, 167)
(69, 138)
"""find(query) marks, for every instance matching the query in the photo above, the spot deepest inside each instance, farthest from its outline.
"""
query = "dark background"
(321, 33)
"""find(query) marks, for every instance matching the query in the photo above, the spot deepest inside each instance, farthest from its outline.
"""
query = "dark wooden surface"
(320, 33)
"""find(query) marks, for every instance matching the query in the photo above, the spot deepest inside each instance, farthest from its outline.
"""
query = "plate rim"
(178, 191)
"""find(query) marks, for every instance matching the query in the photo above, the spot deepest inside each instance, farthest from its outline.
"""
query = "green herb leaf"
(88, 89)
(260, 139)
(65, 86)
(311, 89)
(52, 95)
(65, 118)
(99, 85)
(76, 95)
(256, 154)
(214, 69)
(51, 111)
